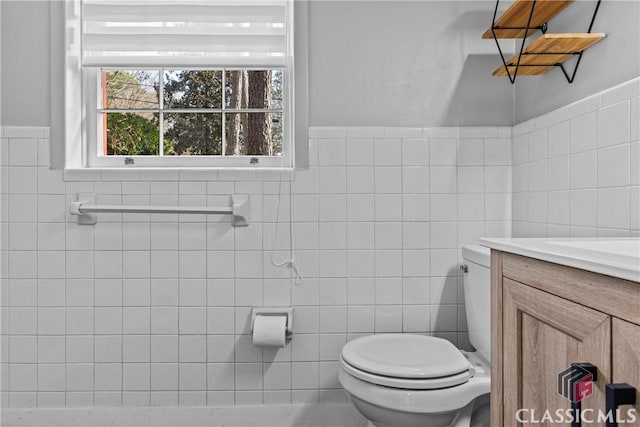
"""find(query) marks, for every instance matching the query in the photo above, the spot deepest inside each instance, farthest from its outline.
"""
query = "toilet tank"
(477, 297)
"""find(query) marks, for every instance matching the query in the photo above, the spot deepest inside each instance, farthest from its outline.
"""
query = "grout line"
(177, 279)
(206, 309)
(122, 222)
(38, 283)
(375, 249)
(235, 322)
(150, 364)
(402, 248)
(9, 286)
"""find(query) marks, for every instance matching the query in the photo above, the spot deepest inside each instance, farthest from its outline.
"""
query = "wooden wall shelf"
(548, 51)
(512, 24)
(525, 17)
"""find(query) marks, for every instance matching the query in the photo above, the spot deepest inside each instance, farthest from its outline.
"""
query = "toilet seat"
(418, 401)
(406, 361)
(407, 383)
(421, 401)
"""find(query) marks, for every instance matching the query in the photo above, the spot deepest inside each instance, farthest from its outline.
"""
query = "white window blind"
(186, 33)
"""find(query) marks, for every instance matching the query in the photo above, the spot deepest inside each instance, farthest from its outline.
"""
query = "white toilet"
(407, 380)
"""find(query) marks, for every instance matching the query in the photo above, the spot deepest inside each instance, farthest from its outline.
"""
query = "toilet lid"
(405, 356)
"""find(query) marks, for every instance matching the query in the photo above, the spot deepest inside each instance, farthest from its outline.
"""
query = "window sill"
(178, 174)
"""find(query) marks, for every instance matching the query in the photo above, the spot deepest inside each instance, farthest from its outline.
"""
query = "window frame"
(69, 86)
(93, 99)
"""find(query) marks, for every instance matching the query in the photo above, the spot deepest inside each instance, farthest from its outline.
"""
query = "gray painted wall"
(372, 63)
(0, 63)
(25, 63)
(404, 64)
(391, 63)
(614, 60)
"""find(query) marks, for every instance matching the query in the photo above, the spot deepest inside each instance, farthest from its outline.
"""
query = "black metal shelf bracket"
(543, 29)
(512, 79)
(575, 69)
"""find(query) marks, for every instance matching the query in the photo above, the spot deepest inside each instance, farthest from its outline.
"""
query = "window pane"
(192, 89)
(253, 88)
(192, 134)
(131, 89)
(253, 134)
(131, 134)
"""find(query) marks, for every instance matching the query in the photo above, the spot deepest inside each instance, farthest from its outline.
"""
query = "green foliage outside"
(184, 133)
(132, 135)
(193, 133)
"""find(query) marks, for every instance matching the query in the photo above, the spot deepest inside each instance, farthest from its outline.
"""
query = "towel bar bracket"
(84, 218)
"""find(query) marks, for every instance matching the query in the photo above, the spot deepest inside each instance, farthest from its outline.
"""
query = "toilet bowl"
(409, 380)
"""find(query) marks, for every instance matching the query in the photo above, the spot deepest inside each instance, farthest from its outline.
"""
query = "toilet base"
(475, 414)
(481, 416)
(385, 417)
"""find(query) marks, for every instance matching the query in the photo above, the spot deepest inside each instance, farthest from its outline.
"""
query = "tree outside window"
(192, 112)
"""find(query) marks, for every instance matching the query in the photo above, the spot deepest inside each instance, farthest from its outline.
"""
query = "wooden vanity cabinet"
(544, 318)
(626, 358)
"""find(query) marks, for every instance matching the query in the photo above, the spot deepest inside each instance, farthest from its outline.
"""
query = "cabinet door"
(543, 335)
(626, 361)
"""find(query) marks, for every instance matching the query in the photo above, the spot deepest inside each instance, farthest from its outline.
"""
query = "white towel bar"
(85, 208)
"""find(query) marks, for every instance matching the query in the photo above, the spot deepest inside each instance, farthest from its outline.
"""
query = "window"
(195, 113)
(162, 83)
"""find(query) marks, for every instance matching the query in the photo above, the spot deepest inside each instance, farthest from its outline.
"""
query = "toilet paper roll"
(269, 331)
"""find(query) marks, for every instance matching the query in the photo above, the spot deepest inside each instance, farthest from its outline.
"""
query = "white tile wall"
(579, 176)
(143, 310)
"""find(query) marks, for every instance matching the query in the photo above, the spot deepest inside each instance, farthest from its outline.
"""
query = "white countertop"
(617, 257)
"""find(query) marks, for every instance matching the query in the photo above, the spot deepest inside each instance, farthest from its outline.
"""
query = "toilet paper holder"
(275, 311)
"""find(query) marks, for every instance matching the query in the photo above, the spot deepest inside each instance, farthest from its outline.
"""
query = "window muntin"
(169, 116)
